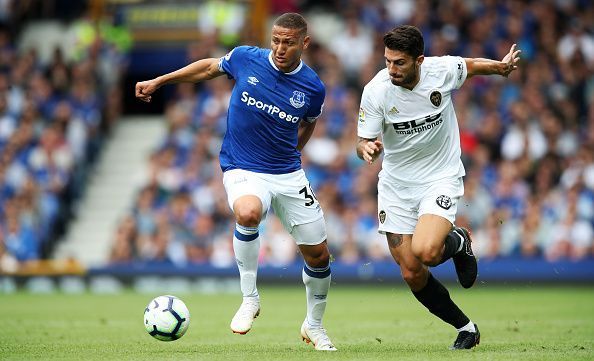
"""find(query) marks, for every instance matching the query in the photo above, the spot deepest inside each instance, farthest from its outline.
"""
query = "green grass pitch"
(517, 322)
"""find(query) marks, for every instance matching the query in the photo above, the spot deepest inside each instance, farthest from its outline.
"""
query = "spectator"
(528, 142)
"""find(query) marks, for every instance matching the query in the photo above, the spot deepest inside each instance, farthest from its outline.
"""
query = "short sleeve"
(457, 72)
(316, 104)
(371, 117)
(233, 61)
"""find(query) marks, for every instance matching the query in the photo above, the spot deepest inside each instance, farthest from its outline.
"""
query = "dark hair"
(405, 38)
(292, 21)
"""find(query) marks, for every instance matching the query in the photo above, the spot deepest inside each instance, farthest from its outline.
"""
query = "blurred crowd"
(54, 115)
(528, 141)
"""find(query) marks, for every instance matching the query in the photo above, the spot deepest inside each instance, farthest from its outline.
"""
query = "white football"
(166, 318)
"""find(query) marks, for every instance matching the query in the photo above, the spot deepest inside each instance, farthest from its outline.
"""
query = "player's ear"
(306, 41)
(420, 59)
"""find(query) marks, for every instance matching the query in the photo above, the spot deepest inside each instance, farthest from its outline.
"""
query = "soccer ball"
(166, 318)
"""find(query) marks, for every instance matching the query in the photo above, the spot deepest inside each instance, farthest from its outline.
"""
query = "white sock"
(469, 327)
(246, 245)
(317, 283)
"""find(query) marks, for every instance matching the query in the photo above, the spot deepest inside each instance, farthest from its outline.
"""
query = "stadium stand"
(58, 101)
(528, 141)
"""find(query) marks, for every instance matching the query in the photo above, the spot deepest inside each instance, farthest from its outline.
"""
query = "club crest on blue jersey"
(298, 99)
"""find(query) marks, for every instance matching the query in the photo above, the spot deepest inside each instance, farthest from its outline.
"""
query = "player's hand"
(371, 150)
(511, 60)
(144, 89)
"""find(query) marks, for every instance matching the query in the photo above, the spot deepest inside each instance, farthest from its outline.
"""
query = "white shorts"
(289, 195)
(399, 208)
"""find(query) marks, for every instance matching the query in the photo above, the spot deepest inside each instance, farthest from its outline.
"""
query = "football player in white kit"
(407, 113)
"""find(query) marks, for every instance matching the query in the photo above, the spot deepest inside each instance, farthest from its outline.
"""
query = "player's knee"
(428, 255)
(414, 278)
(249, 217)
(317, 257)
(248, 211)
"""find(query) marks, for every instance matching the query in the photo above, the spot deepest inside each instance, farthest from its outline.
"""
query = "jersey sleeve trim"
(460, 71)
(233, 61)
(221, 66)
(368, 135)
(313, 119)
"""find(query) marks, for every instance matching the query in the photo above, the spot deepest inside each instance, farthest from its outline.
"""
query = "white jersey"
(418, 127)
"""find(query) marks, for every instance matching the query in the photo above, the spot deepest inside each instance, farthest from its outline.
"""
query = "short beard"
(408, 80)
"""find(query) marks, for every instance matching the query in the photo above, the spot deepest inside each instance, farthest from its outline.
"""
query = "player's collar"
(295, 71)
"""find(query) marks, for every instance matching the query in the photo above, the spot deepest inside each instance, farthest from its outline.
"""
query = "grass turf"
(517, 322)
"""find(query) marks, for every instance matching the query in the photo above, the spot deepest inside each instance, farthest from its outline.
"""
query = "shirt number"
(309, 196)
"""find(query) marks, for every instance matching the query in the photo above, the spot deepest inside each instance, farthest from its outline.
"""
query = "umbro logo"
(253, 80)
(393, 111)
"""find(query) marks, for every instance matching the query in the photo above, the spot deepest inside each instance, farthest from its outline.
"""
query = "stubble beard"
(408, 81)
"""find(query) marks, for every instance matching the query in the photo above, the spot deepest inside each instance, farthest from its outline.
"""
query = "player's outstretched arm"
(481, 66)
(369, 149)
(195, 72)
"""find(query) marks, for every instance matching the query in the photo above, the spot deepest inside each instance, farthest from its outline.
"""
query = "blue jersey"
(265, 109)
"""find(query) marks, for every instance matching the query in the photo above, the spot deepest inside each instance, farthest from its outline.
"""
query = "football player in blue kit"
(274, 104)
